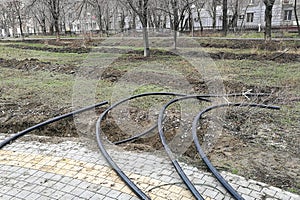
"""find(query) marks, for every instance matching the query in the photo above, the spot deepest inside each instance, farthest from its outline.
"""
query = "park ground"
(38, 77)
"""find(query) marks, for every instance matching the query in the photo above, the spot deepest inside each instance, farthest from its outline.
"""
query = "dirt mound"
(33, 64)
(279, 57)
(258, 44)
(79, 50)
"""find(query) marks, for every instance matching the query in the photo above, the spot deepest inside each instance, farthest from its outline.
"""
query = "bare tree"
(225, 17)
(156, 16)
(99, 6)
(268, 18)
(176, 10)
(296, 16)
(10, 14)
(140, 7)
(39, 13)
(18, 7)
(213, 13)
(54, 8)
(235, 14)
(4, 18)
(199, 6)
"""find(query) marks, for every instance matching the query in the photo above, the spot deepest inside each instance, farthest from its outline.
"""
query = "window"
(250, 17)
(286, 1)
(288, 15)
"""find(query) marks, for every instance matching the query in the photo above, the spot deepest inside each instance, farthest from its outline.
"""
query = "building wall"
(258, 10)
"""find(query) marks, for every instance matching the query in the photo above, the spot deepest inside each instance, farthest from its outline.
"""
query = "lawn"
(39, 81)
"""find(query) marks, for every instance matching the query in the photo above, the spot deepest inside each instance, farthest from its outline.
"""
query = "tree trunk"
(44, 26)
(268, 31)
(175, 39)
(21, 26)
(146, 42)
(200, 22)
(144, 20)
(176, 21)
(225, 21)
(99, 9)
(51, 28)
(268, 18)
(134, 20)
(141, 9)
(214, 23)
(296, 17)
(57, 32)
(234, 20)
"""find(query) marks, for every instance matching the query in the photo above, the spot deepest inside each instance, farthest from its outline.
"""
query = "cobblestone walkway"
(68, 170)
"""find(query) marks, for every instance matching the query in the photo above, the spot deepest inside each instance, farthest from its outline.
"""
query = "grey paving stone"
(124, 196)
(58, 194)
(282, 195)
(113, 194)
(77, 191)
(269, 192)
(4, 188)
(84, 185)
(255, 187)
(255, 194)
(209, 179)
(62, 187)
(33, 196)
(57, 177)
(13, 191)
(243, 183)
(97, 197)
(48, 192)
(23, 194)
(59, 186)
(108, 198)
(68, 188)
(33, 179)
(103, 190)
(67, 197)
(244, 190)
(246, 197)
(87, 194)
(210, 193)
(134, 198)
(220, 196)
(5, 197)
(69, 181)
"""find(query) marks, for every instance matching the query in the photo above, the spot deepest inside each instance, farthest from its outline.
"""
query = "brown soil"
(251, 143)
(32, 64)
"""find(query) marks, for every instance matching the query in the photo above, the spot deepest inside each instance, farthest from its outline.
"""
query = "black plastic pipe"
(215, 172)
(135, 137)
(111, 162)
(174, 161)
(24, 132)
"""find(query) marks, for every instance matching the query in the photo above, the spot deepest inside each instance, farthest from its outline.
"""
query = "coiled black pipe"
(225, 184)
(135, 137)
(24, 132)
(114, 166)
(175, 163)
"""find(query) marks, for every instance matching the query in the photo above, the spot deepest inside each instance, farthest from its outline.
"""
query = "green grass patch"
(261, 73)
(47, 87)
(53, 57)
